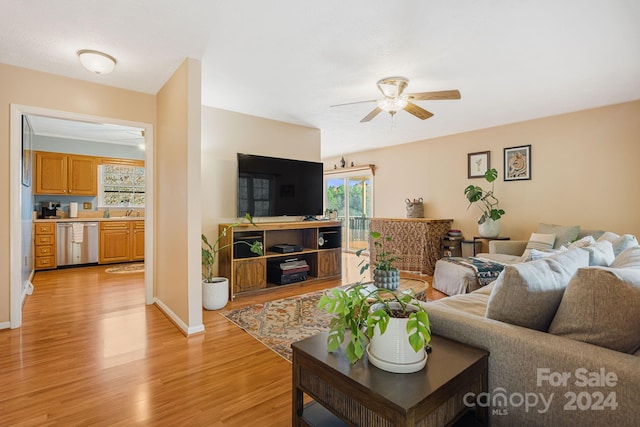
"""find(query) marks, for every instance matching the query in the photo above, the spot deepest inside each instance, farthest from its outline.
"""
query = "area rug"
(277, 324)
(126, 268)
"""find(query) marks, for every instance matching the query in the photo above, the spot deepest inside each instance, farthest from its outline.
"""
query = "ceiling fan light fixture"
(97, 62)
(392, 105)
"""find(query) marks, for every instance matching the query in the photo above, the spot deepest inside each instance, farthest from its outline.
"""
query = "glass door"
(351, 196)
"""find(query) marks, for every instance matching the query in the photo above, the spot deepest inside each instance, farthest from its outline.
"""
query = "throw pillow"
(564, 234)
(540, 242)
(630, 257)
(620, 243)
(601, 306)
(600, 253)
(581, 243)
(528, 294)
(535, 254)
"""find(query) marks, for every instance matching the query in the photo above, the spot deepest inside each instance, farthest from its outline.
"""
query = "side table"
(476, 238)
(361, 394)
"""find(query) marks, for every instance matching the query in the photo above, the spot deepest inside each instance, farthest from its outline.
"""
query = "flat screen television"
(271, 186)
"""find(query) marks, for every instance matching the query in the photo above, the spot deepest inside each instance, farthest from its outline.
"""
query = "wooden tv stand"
(247, 273)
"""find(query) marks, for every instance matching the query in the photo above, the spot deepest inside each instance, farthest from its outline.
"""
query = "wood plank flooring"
(90, 352)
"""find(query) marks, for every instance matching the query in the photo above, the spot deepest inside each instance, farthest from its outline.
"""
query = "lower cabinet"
(329, 262)
(121, 241)
(44, 245)
(250, 274)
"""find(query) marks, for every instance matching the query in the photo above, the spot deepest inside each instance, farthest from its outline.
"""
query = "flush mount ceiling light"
(96, 62)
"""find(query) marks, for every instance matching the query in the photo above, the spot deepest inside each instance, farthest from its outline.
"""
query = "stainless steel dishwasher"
(77, 243)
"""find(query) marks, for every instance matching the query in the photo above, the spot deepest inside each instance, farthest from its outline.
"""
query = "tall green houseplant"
(485, 200)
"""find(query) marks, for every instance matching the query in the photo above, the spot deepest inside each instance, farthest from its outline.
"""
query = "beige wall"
(226, 133)
(177, 160)
(36, 89)
(584, 171)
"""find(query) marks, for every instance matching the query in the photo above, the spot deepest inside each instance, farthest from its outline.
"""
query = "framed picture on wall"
(478, 163)
(517, 163)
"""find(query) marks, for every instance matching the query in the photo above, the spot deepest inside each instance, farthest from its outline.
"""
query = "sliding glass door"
(350, 193)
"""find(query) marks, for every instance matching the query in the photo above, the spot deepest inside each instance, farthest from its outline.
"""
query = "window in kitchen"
(120, 186)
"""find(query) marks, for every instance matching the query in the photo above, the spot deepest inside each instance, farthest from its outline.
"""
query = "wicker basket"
(415, 208)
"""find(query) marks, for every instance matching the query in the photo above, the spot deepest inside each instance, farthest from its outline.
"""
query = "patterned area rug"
(126, 268)
(278, 323)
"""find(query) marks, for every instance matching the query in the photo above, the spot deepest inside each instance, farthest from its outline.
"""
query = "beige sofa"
(561, 354)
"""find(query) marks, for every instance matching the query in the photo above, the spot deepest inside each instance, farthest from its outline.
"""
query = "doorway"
(19, 203)
(351, 195)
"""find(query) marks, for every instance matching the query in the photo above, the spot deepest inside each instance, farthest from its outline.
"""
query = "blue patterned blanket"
(486, 271)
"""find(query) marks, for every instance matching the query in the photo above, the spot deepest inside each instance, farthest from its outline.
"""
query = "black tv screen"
(271, 186)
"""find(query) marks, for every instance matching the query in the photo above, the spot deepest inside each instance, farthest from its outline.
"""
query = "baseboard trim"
(5, 325)
(186, 330)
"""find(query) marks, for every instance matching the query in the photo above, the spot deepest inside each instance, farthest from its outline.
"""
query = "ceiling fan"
(394, 100)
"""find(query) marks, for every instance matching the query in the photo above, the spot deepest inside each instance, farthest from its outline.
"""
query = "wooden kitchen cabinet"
(71, 174)
(121, 241)
(44, 245)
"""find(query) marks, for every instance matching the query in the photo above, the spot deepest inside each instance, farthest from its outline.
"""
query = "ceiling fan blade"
(351, 103)
(371, 115)
(417, 111)
(443, 94)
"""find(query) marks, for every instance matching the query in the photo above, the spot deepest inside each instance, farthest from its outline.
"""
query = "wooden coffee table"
(364, 395)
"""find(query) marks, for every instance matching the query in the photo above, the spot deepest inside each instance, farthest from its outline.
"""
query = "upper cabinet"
(67, 174)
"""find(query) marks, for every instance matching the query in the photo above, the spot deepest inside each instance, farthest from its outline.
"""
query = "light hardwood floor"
(90, 352)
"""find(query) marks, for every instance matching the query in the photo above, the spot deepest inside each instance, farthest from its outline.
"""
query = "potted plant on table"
(486, 201)
(215, 290)
(385, 275)
(396, 329)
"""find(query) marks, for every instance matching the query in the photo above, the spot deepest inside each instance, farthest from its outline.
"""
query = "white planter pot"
(215, 295)
(392, 352)
(489, 228)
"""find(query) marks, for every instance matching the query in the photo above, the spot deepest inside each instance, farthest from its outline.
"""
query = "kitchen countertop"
(117, 218)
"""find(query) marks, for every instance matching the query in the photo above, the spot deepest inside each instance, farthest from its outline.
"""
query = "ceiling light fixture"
(97, 62)
(393, 105)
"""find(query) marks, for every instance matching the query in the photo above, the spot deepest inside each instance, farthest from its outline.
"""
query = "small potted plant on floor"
(392, 327)
(215, 290)
(486, 201)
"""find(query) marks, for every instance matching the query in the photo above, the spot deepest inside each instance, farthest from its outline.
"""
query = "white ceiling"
(290, 60)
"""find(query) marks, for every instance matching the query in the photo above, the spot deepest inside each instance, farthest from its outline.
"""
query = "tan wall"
(42, 90)
(177, 156)
(584, 171)
(226, 133)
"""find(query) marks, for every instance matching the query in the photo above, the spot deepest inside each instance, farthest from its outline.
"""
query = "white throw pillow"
(629, 258)
(620, 243)
(600, 253)
(540, 242)
(528, 294)
(585, 241)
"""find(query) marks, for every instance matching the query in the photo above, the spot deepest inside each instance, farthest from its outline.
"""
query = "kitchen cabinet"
(66, 174)
(121, 241)
(44, 245)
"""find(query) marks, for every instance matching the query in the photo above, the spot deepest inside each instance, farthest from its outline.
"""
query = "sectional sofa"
(563, 337)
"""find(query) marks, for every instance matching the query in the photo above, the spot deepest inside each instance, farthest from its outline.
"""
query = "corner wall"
(584, 172)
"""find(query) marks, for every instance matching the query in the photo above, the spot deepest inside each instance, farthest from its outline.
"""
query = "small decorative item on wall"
(517, 163)
(478, 164)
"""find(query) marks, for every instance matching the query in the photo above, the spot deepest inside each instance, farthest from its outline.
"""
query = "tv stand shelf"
(247, 273)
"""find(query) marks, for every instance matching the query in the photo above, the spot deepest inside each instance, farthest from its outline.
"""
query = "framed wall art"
(478, 164)
(517, 163)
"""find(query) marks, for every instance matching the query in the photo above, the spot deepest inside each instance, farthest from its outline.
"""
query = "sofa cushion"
(528, 294)
(620, 243)
(564, 234)
(601, 306)
(630, 257)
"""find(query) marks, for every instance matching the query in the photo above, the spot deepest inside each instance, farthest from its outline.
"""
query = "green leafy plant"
(210, 250)
(358, 311)
(486, 201)
(384, 258)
